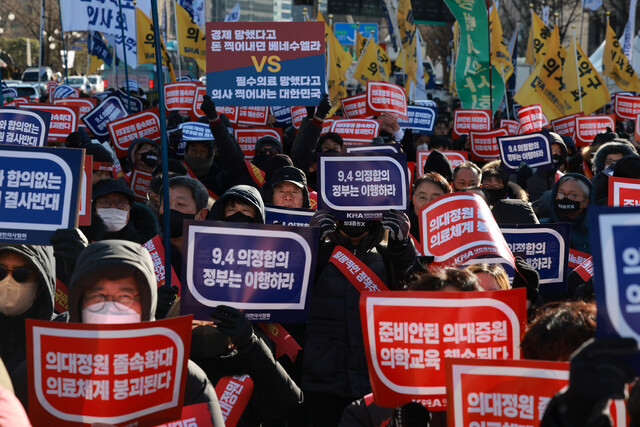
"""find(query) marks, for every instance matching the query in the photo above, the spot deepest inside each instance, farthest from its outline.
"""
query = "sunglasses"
(20, 274)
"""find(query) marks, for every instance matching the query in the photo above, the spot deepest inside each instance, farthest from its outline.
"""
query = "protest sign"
(484, 145)
(233, 395)
(297, 114)
(545, 248)
(97, 120)
(84, 105)
(264, 270)
(282, 114)
(421, 119)
(533, 149)
(531, 119)
(362, 186)
(194, 131)
(626, 107)
(136, 103)
(64, 91)
(565, 126)
(355, 107)
(50, 86)
(21, 100)
(585, 269)
(140, 182)
(458, 227)
(624, 191)
(287, 216)
(265, 63)
(456, 158)
(247, 139)
(507, 392)
(576, 258)
(180, 96)
(21, 127)
(107, 374)
(64, 120)
(465, 121)
(408, 337)
(196, 415)
(637, 131)
(386, 98)
(252, 116)
(230, 112)
(156, 250)
(356, 131)
(511, 126)
(587, 127)
(39, 192)
(196, 112)
(377, 148)
(141, 125)
(84, 211)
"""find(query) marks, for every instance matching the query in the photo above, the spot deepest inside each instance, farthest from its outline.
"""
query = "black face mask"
(176, 218)
(149, 158)
(260, 160)
(495, 194)
(566, 206)
(556, 158)
(239, 217)
(331, 150)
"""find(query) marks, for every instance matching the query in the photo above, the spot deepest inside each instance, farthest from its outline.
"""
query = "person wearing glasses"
(116, 214)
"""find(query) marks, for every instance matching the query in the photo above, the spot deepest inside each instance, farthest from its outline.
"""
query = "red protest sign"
(455, 158)
(253, 116)
(626, 107)
(84, 104)
(465, 121)
(230, 112)
(356, 131)
(84, 212)
(576, 258)
(458, 227)
(531, 119)
(386, 98)
(484, 145)
(247, 139)
(355, 107)
(123, 131)
(566, 125)
(140, 182)
(64, 120)
(297, 114)
(197, 102)
(111, 374)
(233, 395)
(624, 191)
(511, 126)
(156, 250)
(409, 334)
(326, 126)
(50, 86)
(179, 96)
(587, 127)
(21, 100)
(197, 415)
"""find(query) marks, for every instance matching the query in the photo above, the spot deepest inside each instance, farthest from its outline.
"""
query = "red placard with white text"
(409, 335)
(140, 182)
(196, 415)
(196, 112)
(465, 121)
(356, 131)
(144, 124)
(624, 191)
(50, 86)
(531, 119)
(297, 114)
(64, 120)
(507, 392)
(234, 394)
(587, 127)
(484, 145)
(626, 107)
(458, 227)
(253, 116)
(230, 112)
(247, 139)
(355, 107)
(84, 210)
(21, 100)
(326, 126)
(179, 96)
(511, 126)
(565, 126)
(386, 98)
(576, 258)
(455, 158)
(156, 250)
(637, 131)
(107, 374)
(84, 104)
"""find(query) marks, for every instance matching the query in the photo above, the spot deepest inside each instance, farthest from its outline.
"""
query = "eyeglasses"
(268, 150)
(122, 302)
(571, 196)
(123, 205)
(20, 274)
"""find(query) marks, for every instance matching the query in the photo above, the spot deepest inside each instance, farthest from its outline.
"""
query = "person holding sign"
(428, 187)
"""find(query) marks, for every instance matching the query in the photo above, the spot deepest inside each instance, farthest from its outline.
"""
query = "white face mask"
(16, 297)
(422, 147)
(109, 314)
(115, 219)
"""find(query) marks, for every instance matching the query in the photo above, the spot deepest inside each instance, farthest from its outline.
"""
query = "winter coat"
(246, 193)
(142, 226)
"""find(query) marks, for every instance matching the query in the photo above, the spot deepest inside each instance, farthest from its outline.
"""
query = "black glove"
(526, 276)
(166, 298)
(397, 223)
(233, 323)
(323, 107)
(67, 245)
(326, 221)
(311, 110)
(209, 108)
(524, 173)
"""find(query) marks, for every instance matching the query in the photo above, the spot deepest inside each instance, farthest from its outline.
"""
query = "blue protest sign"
(362, 186)
(545, 248)
(20, 127)
(136, 104)
(9, 93)
(533, 149)
(38, 192)
(97, 120)
(288, 216)
(346, 32)
(377, 148)
(421, 119)
(64, 91)
(282, 114)
(263, 270)
(194, 131)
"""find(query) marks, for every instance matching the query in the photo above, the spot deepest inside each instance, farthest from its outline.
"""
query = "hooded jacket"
(438, 162)
(208, 171)
(245, 193)
(134, 146)
(617, 146)
(544, 178)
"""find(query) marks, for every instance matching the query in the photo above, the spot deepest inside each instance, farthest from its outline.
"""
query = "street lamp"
(11, 16)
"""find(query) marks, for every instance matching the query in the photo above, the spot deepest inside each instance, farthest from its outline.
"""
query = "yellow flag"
(373, 64)
(585, 88)
(408, 35)
(361, 41)
(616, 65)
(500, 57)
(545, 86)
(94, 63)
(339, 60)
(191, 38)
(539, 35)
(146, 44)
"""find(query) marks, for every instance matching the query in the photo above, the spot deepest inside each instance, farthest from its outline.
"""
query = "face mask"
(422, 147)
(495, 194)
(16, 297)
(208, 341)
(239, 217)
(566, 206)
(198, 166)
(260, 160)
(354, 228)
(114, 219)
(176, 218)
(556, 158)
(149, 158)
(109, 314)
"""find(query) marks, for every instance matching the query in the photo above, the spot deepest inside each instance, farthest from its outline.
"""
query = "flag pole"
(490, 66)
(531, 32)
(64, 55)
(175, 21)
(40, 45)
(163, 139)
(575, 52)
(124, 53)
